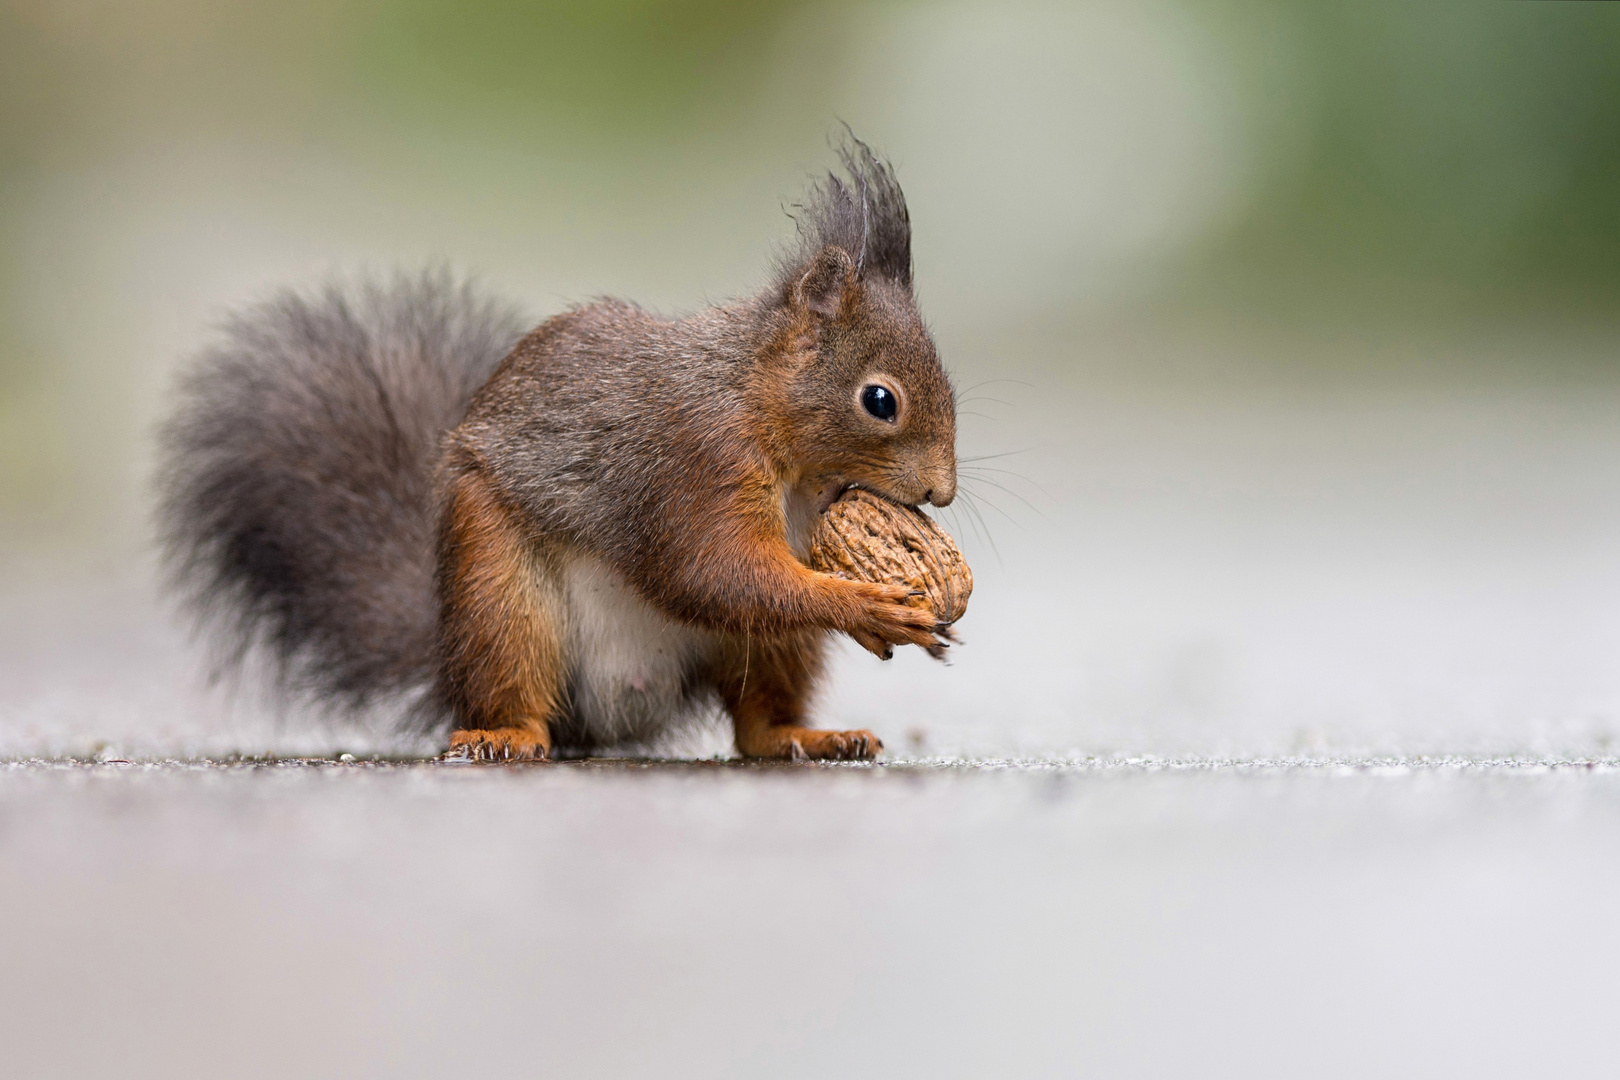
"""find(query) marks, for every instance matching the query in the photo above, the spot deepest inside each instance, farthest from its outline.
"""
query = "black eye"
(880, 402)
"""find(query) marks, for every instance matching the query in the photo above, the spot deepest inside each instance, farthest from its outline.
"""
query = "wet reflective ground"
(1245, 572)
(1111, 917)
(1221, 571)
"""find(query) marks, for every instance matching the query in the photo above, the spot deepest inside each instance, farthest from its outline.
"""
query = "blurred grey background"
(1285, 332)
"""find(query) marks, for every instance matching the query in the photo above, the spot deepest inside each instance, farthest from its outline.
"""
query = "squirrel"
(576, 537)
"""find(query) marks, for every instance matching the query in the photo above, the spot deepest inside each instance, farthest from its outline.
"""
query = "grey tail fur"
(296, 481)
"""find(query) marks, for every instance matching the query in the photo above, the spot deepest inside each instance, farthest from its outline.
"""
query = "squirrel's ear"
(826, 282)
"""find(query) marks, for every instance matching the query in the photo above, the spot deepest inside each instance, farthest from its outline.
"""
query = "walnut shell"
(869, 538)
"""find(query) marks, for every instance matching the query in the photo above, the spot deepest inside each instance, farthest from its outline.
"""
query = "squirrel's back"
(297, 509)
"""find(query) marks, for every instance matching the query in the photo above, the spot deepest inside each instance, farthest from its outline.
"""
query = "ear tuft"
(826, 283)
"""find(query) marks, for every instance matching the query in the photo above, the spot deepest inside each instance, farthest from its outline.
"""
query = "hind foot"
(501, 744)
(800, 743)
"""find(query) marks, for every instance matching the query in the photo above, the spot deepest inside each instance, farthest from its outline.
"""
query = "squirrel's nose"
(941, 494)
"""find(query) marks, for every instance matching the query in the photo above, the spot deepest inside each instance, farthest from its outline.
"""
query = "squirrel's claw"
(504, 744)
(873, 644)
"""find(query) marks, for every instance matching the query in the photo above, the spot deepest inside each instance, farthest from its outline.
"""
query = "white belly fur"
(630, 665)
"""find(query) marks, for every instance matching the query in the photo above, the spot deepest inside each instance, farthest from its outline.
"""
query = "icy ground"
(1104, 918)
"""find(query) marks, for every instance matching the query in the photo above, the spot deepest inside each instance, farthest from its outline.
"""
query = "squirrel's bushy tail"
(296, 480)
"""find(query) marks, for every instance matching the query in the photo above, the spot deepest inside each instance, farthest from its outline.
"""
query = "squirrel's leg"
(766, 683)
(728, 564)
(501, 663)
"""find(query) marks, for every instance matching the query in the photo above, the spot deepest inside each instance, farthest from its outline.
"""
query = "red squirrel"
(577, 537)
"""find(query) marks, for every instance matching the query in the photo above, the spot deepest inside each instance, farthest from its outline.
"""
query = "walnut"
(869, 538)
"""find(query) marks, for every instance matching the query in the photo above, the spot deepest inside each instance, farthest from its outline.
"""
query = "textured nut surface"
(869, 538)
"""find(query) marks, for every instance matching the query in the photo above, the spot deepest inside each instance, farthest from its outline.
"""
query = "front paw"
(501, 744)
(891, 615)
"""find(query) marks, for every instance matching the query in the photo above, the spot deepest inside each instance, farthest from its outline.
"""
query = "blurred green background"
(1298, 165)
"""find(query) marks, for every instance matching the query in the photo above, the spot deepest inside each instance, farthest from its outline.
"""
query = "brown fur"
(766, 684)
(620, 505)
(693, 437)
(501, 660)
(673, 451)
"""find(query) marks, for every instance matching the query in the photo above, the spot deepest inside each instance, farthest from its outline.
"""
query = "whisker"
(963, 515)
(993, 469)
(979, 470)
(992, 457)
(952, 518)
(1009, 491)
(981, 497)
(992, 382)
(981, 527)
